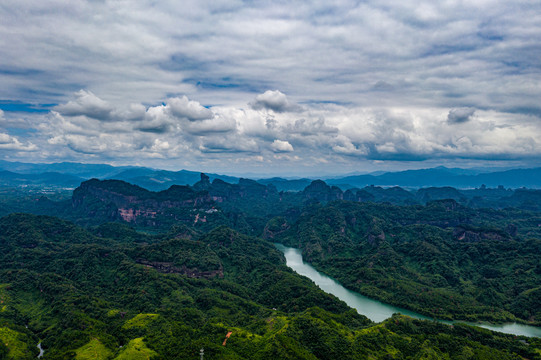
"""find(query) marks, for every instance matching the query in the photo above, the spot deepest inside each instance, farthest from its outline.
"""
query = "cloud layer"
(254, 85)
(181, 131)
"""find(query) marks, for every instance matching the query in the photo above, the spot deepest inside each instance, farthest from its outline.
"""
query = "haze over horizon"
(258, 88)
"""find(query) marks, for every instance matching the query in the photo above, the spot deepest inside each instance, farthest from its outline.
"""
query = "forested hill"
(157, 295)
(246, 206)
(204, 265)
(108, 292)
(443, 259)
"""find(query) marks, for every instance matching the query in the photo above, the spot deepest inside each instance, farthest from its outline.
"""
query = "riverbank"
(376, 310)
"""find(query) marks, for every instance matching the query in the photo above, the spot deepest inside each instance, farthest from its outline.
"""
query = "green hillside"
(129, 297)
(442, 260)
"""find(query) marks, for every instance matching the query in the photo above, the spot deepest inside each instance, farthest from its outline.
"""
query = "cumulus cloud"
(8, 142)
(192, 110)
(341, 136)
(133, 112)
(274, 100)
(86, 104)
(346, 147)
(281, 146)
(460, 115)
(156, 120)
(175, 114)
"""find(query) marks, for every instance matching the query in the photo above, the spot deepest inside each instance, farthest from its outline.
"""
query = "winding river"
(376, 310)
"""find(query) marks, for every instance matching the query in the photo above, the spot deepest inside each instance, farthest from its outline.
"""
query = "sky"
(272, 87)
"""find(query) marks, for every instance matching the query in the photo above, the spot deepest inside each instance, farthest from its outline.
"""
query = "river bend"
(376, 310)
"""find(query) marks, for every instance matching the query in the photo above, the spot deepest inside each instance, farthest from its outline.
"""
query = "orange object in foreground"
(227, 337)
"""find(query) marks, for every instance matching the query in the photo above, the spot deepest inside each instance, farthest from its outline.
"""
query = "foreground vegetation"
(111, 293)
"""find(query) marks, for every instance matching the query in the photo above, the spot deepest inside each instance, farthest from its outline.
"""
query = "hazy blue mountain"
(157, 180)
(52, 179)
(441, 176)
(77, 169)
(414, 178)
(286, 185)
(133, 173)
(512, 178)
(70, 174)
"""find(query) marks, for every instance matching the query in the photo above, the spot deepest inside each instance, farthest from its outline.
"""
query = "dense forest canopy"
(130, 273)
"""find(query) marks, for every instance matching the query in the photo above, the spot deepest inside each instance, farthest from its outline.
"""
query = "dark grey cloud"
(460, 115)
(228, 145)
(148, 51)
(215, 125)
(383, 86)
(160, 128)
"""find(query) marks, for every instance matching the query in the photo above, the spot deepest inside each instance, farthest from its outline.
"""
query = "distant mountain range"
(442, 176)
(439, 176)
(70, 175)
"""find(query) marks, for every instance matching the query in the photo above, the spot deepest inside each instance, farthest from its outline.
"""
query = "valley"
(124, 272)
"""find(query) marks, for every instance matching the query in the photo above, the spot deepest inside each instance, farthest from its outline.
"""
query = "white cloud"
(8, 142)
(191, 110)
(337, 134)
(160, 145)
(156, 120)
(274, 100)
(86, 104)
(345, 146)
(132, 112)
(281, 146)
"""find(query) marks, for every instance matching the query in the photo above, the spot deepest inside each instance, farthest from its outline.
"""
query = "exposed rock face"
(130, 215)
(472, 235)
(114, 200)
(170, 268)
(117, 200)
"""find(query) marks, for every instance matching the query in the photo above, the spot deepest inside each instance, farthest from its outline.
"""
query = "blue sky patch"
(17, 106)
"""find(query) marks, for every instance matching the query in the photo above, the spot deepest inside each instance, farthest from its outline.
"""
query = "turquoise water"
(376, 310)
